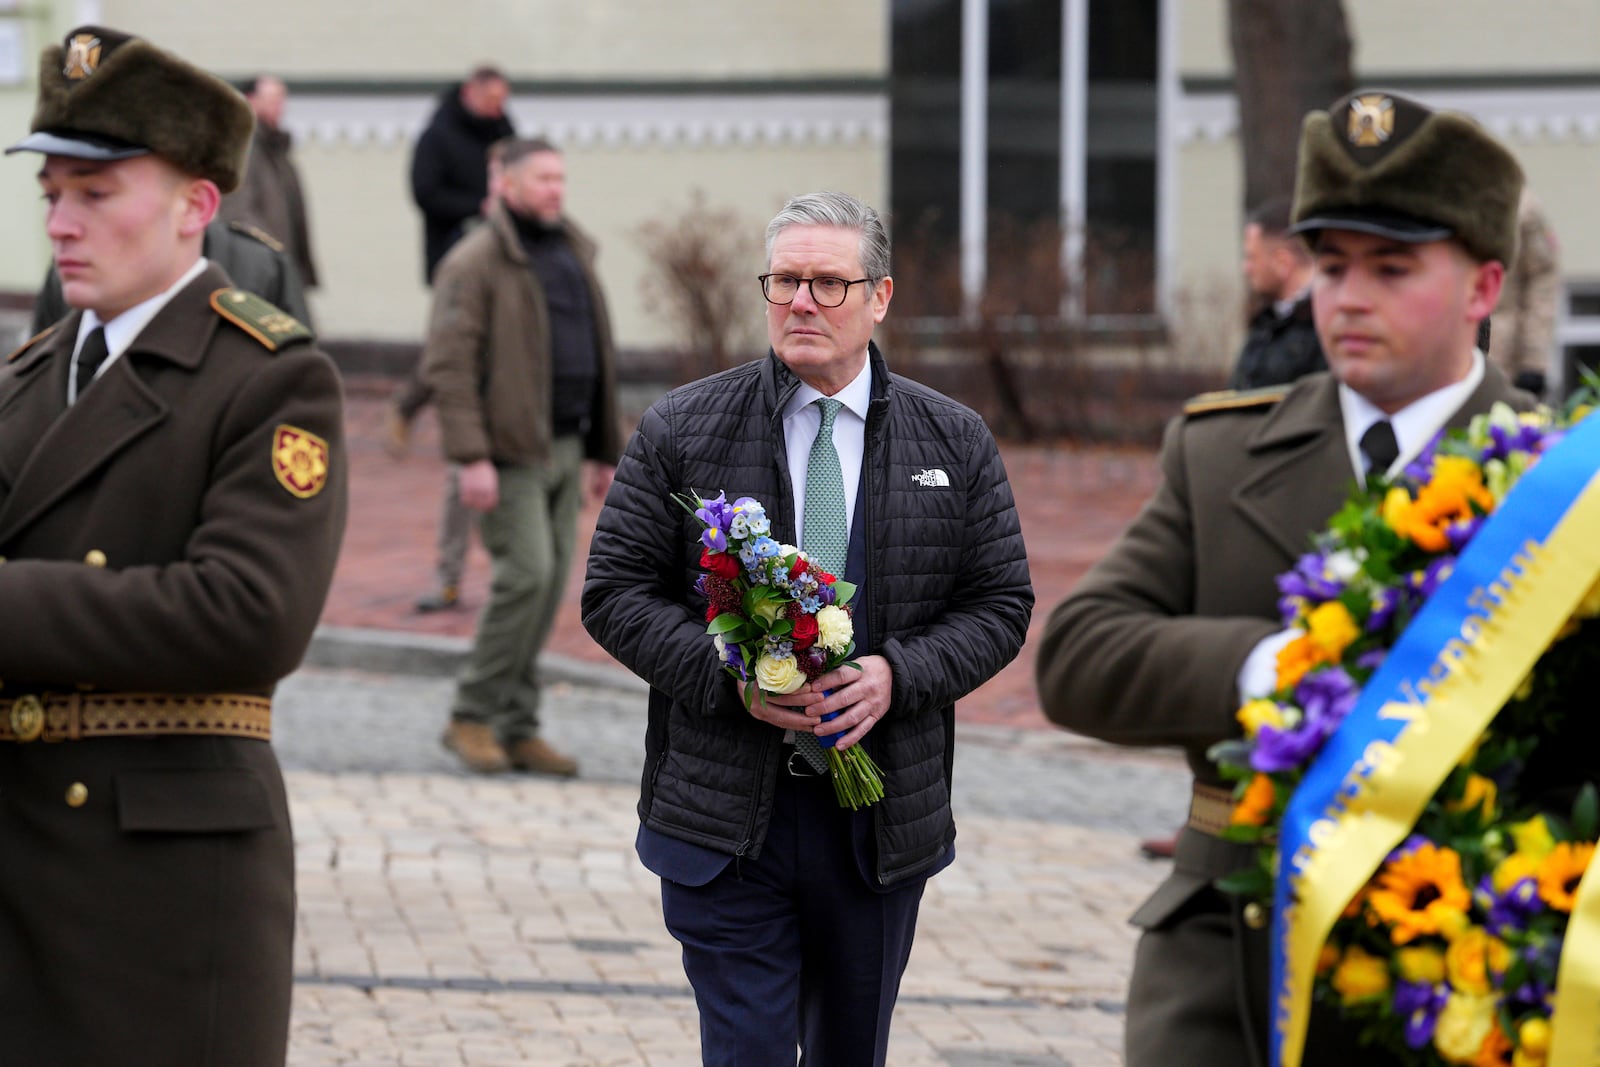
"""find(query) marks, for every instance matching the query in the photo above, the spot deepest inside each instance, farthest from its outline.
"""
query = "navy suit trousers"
(794, 949)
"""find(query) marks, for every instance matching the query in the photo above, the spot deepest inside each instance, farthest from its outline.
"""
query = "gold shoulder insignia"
(30, 342)
(1234, 399)
(258, 233)
(299, 460)
(266, 322)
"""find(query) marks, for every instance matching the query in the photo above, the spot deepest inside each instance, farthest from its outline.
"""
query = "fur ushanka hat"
(1380, 163)
(108, 95)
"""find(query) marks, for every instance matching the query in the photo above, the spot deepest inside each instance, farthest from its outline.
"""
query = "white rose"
(779, 675)
(834, 629)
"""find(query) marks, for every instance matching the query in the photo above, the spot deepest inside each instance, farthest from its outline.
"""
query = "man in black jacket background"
(449, 166)
(796, 916)
(1281, 346)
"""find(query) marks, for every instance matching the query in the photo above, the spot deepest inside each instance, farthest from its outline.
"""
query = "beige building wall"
(629, 159)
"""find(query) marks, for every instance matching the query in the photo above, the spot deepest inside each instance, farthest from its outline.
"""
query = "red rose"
(799, 568)
(804, 634)
(823, 576)
(720, 563)
(711, 612)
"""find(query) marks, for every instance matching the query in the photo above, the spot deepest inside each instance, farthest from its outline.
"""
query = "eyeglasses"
(826, 291)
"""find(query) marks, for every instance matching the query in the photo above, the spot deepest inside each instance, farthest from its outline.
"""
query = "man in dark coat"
(172, 496)
(1411, 217)
(449, 165)
(1281, 345)
(796, 915)
(270, 197)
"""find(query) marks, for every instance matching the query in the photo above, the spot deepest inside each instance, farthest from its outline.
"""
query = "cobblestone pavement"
(481, 922)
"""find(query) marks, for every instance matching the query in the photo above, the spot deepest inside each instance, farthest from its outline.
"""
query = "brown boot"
(535, 754)
(475, 743)
(396, 433)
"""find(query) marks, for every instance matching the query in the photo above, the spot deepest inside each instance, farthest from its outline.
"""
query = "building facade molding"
(611, 120)
(1557, 115)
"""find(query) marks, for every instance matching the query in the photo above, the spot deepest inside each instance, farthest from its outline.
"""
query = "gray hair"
(841, 210)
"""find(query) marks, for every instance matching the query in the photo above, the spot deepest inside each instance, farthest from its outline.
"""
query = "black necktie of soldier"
(90, 356)
(1378, 444)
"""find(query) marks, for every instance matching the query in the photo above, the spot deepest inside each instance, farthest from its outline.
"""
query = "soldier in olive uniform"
(172, 496)
(1411, 216)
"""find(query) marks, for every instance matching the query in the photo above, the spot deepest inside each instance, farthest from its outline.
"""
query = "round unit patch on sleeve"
(300, 460)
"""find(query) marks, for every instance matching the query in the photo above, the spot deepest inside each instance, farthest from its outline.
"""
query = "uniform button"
(1255, 916)
(77, 795)
(95, 558)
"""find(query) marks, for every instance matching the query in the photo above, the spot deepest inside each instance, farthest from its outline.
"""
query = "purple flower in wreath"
(1312, 579)
(1327, 697)
(1463, 530)
(1513, 910)
(1406, 848)
(1419, 1003)
(1384, 604)
(1503, 442)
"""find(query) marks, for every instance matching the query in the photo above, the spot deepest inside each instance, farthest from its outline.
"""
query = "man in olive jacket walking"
(519, 356)
(796, 916)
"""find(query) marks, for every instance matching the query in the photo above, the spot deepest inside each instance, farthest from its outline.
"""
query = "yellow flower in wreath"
(1474, 957)
(1463, 1026)
(1533, 837)
(1421, 964)
(1479, 792)
(1513, 869)
(1360, 976)
(1533, 1043)
(1332, 629)
(1421, 892)
(1296, 658)
(1560, 872)
(1258, 713)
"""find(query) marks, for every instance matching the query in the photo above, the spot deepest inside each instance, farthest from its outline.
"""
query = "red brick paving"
(1073, 502)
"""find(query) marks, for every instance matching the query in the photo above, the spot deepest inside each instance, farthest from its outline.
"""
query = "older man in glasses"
(795, 914)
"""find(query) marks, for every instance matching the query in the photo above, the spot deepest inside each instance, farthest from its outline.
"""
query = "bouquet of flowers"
(1449, 953)
(778, 622)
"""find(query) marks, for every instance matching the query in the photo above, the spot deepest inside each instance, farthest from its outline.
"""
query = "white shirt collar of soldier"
(1414, 425)
(126, 327)
(802, 419)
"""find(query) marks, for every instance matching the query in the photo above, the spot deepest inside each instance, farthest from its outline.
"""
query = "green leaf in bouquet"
(724, 624)
(843, 591)
(1586, 814)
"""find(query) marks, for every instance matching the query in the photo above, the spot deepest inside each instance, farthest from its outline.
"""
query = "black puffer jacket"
(450, 173)
(947, 599)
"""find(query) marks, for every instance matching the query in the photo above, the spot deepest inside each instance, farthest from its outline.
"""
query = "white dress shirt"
(801, 421)
(122, 330)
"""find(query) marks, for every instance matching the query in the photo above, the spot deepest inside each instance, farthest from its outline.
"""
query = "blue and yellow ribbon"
(1457, 663)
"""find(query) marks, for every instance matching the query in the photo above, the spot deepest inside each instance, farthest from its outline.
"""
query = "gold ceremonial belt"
(1210, 809)
(71, 716)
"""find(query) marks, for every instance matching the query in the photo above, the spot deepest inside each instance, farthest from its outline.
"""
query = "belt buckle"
(27, 718)
(803, 769)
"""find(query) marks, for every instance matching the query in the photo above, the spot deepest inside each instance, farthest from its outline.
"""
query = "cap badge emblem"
(1371, 120)
(83, 56)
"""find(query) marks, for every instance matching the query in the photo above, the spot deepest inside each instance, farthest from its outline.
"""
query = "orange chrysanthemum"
(1455, 493)
(1255, 806)
(1496, 1050)
(1560, 871)
(1421, 893)
(1298, 657)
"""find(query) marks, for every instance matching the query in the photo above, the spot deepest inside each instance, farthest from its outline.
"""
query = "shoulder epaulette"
(258, 233)
(35, 339)
(1234, 399)
(261, 319)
